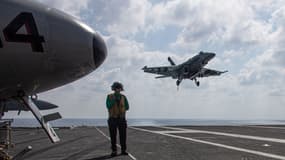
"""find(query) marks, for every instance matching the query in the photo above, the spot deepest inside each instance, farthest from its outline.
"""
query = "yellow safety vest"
(118, 109)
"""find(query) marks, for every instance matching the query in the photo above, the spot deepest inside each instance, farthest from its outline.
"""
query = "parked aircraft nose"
(99, 50)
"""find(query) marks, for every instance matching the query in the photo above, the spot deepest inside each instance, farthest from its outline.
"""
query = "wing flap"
(205, 72)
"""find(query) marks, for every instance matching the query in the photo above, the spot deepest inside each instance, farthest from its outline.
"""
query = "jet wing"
(210, 72)
(165, 71)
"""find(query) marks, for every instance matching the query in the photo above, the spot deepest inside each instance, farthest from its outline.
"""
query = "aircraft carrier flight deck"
(157, 143)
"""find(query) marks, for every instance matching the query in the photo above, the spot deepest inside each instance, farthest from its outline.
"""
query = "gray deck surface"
(156, 143)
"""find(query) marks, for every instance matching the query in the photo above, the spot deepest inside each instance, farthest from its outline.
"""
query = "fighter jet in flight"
(191, 69)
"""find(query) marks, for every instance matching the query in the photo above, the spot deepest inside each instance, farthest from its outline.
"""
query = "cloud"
(268, 67)
(231, 26)
(247, 36)
(117, 17)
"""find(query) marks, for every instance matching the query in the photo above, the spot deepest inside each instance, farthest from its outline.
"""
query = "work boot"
(114, 153)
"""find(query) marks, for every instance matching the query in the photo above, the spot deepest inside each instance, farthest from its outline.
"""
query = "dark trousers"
(121, 125)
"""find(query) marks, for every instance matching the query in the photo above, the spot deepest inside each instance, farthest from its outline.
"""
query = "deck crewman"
(117, 105)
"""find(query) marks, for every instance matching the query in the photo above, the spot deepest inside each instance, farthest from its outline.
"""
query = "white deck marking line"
(275, 140)
(269, 155)
(270, 127)
(130, 155)
(169, 132)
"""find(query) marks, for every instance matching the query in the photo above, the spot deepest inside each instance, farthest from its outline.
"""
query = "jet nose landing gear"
(197, 83)
(178, 82)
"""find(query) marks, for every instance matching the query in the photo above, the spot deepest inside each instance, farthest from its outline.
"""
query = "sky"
(247, 37)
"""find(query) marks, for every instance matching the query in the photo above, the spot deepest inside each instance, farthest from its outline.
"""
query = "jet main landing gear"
(178, 83)
(197, 82)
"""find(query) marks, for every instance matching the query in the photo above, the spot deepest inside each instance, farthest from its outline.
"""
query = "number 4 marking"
(32, 36)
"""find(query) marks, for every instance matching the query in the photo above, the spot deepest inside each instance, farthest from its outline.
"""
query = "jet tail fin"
(171, 61)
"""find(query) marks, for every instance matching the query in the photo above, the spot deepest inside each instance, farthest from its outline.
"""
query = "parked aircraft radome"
(42, 48)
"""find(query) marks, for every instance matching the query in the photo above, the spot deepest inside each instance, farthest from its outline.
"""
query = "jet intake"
(185, 71)
(204, 63)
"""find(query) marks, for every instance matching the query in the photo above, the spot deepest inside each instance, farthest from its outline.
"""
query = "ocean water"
(146, 122)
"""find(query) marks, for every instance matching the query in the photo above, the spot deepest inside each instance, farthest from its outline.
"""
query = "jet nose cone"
(99, 50)
(212, 55)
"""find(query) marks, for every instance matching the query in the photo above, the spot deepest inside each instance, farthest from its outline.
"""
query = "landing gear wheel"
(197, 82)
(178, 82)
